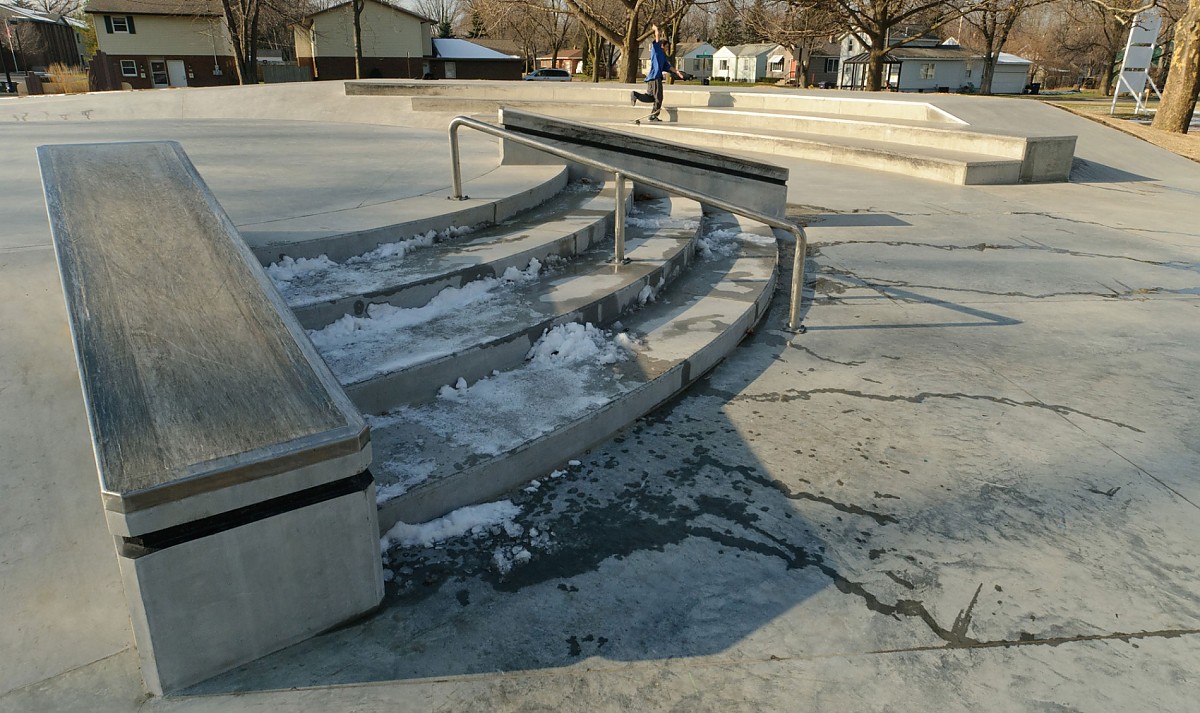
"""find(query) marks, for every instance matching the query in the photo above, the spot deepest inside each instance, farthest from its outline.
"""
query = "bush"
(68, 80)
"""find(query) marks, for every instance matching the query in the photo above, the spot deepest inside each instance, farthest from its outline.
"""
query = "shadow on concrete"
(671, 540)
(1084, 171)
(858, 220)
(981, 318)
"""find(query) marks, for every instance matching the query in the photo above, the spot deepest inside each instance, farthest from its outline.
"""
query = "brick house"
(149, 44)
(396, 42)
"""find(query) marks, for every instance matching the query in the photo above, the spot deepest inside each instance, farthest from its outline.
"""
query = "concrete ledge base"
(204, 606)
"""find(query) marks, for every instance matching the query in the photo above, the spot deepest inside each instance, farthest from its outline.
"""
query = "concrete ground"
(972, 484)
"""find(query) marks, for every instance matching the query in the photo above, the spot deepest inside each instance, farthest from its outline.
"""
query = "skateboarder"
(654, 82)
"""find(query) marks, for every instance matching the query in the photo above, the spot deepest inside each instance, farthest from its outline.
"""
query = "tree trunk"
(629, 50)
(875, 68)
(237, 37)
(356, 7)
(1106, 81)
(1183, 82)
(989, 71)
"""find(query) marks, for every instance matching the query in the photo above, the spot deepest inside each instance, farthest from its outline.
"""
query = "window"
(927, 70)
(970, 69)
(129, 68)
(831, 64)
(723, 65)
(122, 24)
(777, 64)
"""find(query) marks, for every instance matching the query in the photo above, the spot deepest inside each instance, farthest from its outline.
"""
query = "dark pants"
(653, 94)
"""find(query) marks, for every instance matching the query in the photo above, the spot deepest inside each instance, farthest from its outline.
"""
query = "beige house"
(396, 42)
(148, 44)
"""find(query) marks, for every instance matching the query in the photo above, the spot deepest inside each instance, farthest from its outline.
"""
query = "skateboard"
(638, 122)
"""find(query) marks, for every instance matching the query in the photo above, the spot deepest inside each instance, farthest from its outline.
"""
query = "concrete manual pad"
(943, 497)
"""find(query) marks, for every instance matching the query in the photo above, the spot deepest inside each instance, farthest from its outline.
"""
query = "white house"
(926, 67)
(742, 63)
(695, 58)
(1011, 75)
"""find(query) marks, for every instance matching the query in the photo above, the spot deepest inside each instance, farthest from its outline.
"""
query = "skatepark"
(970, 483)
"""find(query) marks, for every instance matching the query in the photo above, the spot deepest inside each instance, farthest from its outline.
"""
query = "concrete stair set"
(446, 373)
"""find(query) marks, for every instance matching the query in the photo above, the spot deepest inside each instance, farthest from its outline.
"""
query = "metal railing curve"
(797, 287)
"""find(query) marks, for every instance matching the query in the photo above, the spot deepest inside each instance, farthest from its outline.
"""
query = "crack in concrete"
(982, 247)
(792, 344)
(881, 285)
(1078, 221)
(799, 395)
(848, 508)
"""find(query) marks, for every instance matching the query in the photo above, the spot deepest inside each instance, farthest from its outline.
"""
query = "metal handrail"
(793, 323)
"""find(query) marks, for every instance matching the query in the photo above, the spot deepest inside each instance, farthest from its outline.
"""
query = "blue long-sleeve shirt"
(658, 62)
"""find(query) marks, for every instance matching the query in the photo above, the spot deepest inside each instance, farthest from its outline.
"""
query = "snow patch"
(288, 269)
(473, 519)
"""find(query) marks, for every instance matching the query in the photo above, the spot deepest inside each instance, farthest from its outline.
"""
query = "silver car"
(548, 75)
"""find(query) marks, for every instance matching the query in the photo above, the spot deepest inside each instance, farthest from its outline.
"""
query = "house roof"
(187, 8)
(751, 50)
(899, 54)
(464, 49)
(574, 53)
(388, 5)
(507, 47)
(1006, 58)
(684, 49)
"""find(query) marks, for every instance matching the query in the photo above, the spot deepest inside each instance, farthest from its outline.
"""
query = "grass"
(1095, 106)
(67, 80)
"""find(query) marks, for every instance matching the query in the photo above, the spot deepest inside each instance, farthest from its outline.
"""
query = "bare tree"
(875, 22)
(54, 8)
(994, 21)
(799, 26)
(1178, 105)
(446, 13)
(625, 23)
(245, 21)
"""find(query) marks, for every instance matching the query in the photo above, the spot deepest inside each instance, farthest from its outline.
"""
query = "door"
(158, 73)
(177, 72)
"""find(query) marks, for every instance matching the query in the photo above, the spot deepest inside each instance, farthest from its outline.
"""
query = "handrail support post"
(798, 262)
(455, 164)
(619, 222)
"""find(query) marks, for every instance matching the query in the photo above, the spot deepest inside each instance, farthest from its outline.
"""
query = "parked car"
(548, 75)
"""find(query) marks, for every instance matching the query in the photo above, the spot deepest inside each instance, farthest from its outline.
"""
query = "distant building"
(743, 63)
(38, 40)
(396, 42)
(695, 59)
(568, 59)
(925, 66)
(148, 44)
(464, 59)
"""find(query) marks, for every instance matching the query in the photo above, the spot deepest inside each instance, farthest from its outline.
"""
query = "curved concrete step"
(474, 443)
(410, 273)
(339, 235)
(399, 356)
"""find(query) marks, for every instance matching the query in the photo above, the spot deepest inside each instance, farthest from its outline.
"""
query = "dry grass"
(67, 80)
(1097, 108)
